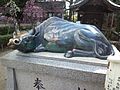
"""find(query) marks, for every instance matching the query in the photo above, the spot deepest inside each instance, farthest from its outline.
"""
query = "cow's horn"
(17, 28)
(33, 31)
(17, 31)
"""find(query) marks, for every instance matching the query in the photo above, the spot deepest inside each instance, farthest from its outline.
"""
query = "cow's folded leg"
(69, 54)
(77, 52)
(40, 48)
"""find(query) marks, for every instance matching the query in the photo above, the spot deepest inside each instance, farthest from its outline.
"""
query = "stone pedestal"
(52, 71)
(113, 73)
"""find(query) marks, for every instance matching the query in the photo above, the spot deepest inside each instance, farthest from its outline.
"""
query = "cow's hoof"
(69, 54)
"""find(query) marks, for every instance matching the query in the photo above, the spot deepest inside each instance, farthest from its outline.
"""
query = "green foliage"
(9, 30)
(5, 35)
(13, 8)
(3, 2)
(20, 3)
(6, 30)
(4, 39)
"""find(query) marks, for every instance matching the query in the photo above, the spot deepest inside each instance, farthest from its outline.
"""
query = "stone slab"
(54, 66)
(54, 63)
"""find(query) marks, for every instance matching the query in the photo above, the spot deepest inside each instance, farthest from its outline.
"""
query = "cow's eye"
(16, 41)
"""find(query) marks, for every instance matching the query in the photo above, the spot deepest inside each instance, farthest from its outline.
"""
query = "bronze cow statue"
(58, 35)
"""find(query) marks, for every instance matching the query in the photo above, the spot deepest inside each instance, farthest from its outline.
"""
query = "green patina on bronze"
(51, 46)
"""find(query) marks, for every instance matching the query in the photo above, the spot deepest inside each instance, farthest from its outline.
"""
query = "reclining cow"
(58, 35)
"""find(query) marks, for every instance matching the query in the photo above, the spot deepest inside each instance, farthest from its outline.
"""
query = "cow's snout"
(10, 42)
(13, 42)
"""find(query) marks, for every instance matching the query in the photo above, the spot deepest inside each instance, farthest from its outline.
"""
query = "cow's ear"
(33, 31)
(31, 37)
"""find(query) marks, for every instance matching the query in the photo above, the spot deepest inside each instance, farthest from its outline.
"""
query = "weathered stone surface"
(55, 71)
(3, 71)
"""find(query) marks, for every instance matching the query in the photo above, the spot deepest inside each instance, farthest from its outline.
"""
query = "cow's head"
(23, 41)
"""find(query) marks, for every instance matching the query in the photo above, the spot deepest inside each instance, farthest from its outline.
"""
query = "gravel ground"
(3, 75)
